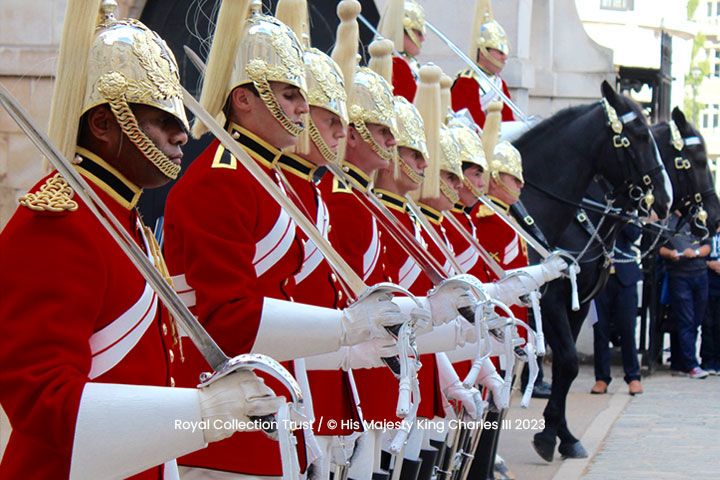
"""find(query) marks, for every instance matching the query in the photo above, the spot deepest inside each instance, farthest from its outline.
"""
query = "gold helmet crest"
(126, 63)
(400, 18)
(411, 134)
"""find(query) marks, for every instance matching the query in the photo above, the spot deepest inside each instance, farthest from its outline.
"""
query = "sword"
(222, 365)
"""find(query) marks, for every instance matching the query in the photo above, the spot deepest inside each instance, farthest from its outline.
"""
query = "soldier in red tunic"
(233, 252)
(403, 22)
(489, 49)
(88, 354)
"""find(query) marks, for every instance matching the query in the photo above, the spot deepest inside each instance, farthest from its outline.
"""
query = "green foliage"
(693, 80)
(692, 6)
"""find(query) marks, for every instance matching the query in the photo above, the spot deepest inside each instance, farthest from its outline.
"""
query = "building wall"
(29, 38)
(707, 17)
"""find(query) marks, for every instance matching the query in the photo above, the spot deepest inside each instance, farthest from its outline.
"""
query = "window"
(711, 117)
(709, 9)
(616, 4)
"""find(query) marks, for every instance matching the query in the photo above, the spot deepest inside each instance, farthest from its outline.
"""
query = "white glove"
(490, 379)
(453, 388)
(366, 319)
(446, 300)
(228, 404)
(447, 337)
(363, 355)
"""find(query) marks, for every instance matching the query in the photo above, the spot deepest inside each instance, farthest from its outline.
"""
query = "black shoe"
(572, 450)
(542, 390)
(544, 447)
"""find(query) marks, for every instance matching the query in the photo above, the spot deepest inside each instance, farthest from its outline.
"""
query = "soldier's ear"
(241, 100)
(102, 125)
(353, 137)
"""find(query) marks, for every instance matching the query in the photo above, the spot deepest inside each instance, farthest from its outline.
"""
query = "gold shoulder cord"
(159, 262)
(54, 196)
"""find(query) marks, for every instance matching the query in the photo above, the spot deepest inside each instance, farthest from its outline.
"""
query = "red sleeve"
(52, 275)
(349, 229)
(465, 93)
(209, 238)
(403, 79)
(507, 113)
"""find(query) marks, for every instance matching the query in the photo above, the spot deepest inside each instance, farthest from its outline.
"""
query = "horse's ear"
(608, 92)
(679, 117)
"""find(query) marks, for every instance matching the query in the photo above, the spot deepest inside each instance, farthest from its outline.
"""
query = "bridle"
(690, 202)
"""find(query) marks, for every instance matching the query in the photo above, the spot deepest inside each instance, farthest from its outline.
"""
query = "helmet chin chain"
(320, 143)
(448, 192)
(387, 154)
(268, 97)
(414, 176)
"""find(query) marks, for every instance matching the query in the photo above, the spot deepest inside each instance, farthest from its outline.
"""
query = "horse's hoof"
(572, 450)
(544, 447)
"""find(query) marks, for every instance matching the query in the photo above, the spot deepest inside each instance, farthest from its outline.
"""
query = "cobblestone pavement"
(670, 432)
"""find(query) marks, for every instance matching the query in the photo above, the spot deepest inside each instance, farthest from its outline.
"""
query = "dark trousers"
(710, 346)
(617, 304)
(688, 300)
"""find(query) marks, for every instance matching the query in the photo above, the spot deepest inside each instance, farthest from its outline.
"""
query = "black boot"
(429, 458)
(410, 469)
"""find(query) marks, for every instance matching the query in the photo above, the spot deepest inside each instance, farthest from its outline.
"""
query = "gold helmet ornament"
(471, 149)
(371, 101)
(411, 134)
(325, 86)
(400, 18)
(506, 159)
(118, 63)
(251, 50)
(487, 33)
(450, 161)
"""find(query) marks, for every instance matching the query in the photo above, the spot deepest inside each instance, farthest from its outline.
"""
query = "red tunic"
(404, 271)
(503, 243)
(64, 281)
(316, 284)
(230, 245)
(467, 92)
(404, 80)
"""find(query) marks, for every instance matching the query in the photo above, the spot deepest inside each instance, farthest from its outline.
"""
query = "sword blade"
(434, 236)
(512, 223)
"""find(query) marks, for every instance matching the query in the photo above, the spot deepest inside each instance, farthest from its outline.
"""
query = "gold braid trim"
(268, 97)
(414, 176)
(320, 143)
(449, 193)
(128, 124)
(388, 154)
(54, 196)
(161, 266)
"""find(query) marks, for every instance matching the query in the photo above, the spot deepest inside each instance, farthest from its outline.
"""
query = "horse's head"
(633, 167)
(683, 151)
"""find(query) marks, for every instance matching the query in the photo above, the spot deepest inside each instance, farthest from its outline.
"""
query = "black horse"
(561, 156)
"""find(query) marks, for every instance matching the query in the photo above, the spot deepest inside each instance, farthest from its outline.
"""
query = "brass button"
(333, 277)
(171, 354)
(172, 382)
(164, 329)
(292, 299)
(340, 296)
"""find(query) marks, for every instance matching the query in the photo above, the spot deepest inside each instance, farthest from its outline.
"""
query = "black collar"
(357, 176)
(391, 200)
(433, 215)
(297, 166)
(258, 148)
(108, 179)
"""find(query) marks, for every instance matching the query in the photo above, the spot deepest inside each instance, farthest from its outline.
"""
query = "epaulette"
(55, 196)
(467, 73)
(484, 211)
(224, 159)
(340, 187)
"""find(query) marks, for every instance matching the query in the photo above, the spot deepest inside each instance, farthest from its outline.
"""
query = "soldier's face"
(166, 132)
(364, 157)
(507, 188)
(476, 176)
(410, 47)
(331, 130)
(494, 67)
(454, 183)
(414, 160)
(249, 111)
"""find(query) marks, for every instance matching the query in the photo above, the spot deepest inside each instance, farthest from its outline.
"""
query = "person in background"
(618, 304)
(684, 256)
(710, 347)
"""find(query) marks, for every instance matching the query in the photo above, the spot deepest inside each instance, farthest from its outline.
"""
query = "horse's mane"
(554, 123)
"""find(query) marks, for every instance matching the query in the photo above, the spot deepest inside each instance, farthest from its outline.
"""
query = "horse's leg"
(570, 446)
(564, 365)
